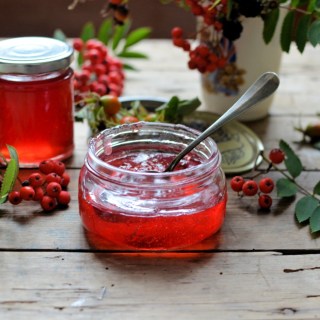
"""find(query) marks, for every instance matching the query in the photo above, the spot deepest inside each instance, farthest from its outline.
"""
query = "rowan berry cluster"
(262, 188)
(48, 186)
(100, 72)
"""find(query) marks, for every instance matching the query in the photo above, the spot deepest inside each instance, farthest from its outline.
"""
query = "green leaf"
(137, 35)
(286, 188)
(292, 161)
(314, 33)
(315, 220)
(59, 35)
(88, 31)
(119, 33)
(132, 54)
(128, 66)
(9, 179)
(305, 207)
(302, 32)
(105, 31)
(270, 24)
(316, 189)
(186, 107)
(13, 153)
(286, 31)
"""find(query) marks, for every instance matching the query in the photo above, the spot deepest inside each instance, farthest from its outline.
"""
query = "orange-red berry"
(236, 183)
(250, 188)
(266, 185)
(265, 201)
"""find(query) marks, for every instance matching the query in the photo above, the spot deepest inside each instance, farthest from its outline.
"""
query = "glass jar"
(36, 99)
(125, 203)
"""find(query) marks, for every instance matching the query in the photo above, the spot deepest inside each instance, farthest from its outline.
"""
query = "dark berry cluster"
(226, 19)
(118, 9)
(100, 72)
(48, 186)
(249, 187)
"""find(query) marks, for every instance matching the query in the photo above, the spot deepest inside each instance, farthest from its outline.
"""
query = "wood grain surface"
(258, 266)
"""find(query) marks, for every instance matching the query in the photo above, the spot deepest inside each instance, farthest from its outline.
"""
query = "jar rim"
(32, 55)
(103, 169)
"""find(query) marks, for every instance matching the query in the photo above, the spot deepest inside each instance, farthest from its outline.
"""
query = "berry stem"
(302, 189)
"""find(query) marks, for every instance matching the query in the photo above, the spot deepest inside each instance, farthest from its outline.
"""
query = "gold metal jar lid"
(239, 145)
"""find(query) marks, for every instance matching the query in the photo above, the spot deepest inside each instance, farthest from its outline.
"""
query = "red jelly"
(126, 197)
(36, 99)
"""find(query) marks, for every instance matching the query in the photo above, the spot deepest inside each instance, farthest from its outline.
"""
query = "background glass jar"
(36, 99)
(147, 210)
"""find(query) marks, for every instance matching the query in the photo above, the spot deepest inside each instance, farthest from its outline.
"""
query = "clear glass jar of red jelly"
(126, 197)
(36, 99)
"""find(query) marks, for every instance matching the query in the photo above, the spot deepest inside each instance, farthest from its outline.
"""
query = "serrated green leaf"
(305, 207)
(137, 35)
(105, 31)
(132, 54)
(316, 189)
(88, 31)
(292, 161)
(119, 33)
(315, 220)
(186, 107)
(9, 179)
(270, 23)
(314, 33)
(302, 31)
(286, 31)
(13, 153)
(128, 66)
(286, 188)
(59, 35)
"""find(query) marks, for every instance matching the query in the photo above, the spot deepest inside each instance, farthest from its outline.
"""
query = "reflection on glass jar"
(36, 99)
(126, 197)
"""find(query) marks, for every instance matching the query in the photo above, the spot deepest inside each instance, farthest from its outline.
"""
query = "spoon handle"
(263, 87)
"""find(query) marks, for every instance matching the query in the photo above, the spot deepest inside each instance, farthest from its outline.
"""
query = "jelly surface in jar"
(153, 230)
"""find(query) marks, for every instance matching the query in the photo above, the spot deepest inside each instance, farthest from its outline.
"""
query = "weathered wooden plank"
(150, 286)
(246, 227)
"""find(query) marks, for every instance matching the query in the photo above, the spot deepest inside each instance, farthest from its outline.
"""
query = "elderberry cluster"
(100, 72)
(249, 187)
(48, 186)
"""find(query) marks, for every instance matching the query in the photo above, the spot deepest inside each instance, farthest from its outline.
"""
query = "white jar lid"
(31, 55)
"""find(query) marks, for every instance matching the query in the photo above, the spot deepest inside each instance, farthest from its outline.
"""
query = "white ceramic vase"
(255, 58)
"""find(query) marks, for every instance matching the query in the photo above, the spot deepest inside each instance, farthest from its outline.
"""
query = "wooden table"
(259, 266)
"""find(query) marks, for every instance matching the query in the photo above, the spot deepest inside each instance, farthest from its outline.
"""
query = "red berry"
(14, 197)
(65, 179)
(276, 155)
(237, 183)
(250, 188)
(266, 185)
(53, 177)
(35, 180)
(59, 167)
(39, 193)
(27, 193)
(78, 44)
(46, 166)
(48, 203)
(265, 201)
(53, 189)
(176, 32)
(64, 198)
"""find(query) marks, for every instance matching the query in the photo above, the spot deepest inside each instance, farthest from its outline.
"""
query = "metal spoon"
(263, 87)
